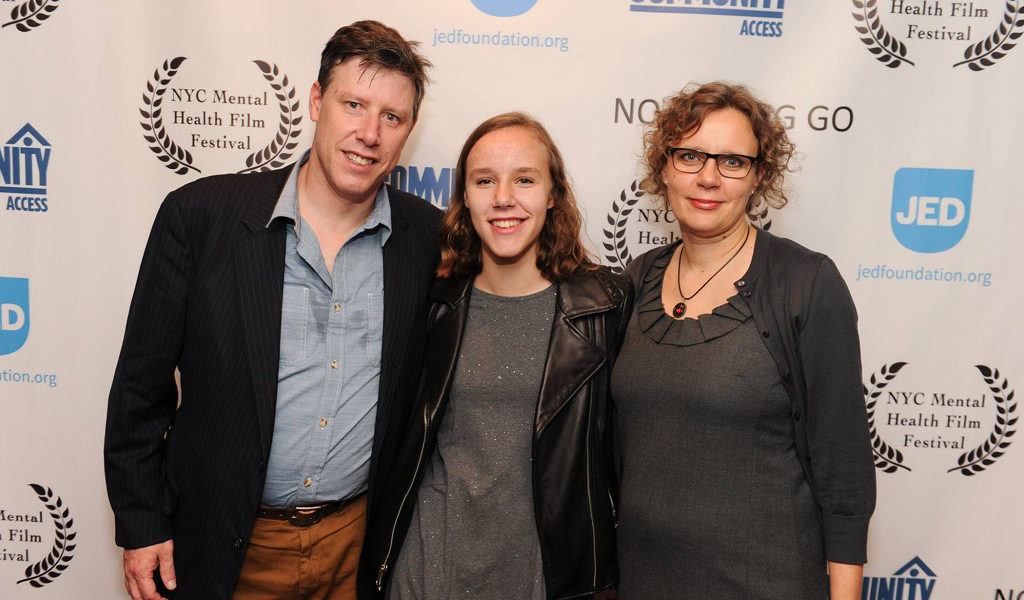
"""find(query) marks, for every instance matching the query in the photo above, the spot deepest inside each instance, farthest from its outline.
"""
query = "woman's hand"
(845, 581)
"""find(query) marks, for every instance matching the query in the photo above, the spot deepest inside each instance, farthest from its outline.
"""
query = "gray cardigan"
(807, 320)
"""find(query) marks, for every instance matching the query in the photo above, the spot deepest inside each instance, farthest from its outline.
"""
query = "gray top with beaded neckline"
(808, 323)
(714, 503)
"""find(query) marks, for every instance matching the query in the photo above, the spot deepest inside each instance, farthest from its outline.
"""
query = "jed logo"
(931, 207)
(504, 8)
(913, 581)
(24, 161)
(14, 319)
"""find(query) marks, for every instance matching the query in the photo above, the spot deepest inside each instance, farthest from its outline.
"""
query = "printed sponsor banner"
(192, 118)
(15, 315)
(27, 15)
(972, 34)
(38, 539)
(24, 170)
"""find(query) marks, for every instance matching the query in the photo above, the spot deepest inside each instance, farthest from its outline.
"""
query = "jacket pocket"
(170, 492)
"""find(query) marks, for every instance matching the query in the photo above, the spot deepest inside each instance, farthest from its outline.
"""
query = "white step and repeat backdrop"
(907, 114)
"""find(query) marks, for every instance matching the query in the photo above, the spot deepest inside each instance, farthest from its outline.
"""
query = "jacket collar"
(580, 295)
(259, 270)
(263, 191)
(572, 357)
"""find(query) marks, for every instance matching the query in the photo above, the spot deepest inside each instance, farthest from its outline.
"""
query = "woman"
(746, 464)
(503, 489)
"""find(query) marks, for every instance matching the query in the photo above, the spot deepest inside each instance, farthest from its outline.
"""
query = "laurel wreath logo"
(617, 251)
(887, 458)
(986, 52)
(277, 153)
(31, 14)
(998, 441)
(54, 564)
(886, 48)
(760, 219)
(171, 154)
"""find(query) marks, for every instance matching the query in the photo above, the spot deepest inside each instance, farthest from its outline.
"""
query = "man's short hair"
(380, 47)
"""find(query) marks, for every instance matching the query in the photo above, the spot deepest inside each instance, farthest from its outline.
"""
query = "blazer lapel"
(400, 306)
(259, 268)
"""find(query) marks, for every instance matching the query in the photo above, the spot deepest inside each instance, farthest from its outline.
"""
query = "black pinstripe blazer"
(208, 302)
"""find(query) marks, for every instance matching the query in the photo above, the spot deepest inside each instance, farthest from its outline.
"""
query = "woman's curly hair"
(560, 252)
(682, 115)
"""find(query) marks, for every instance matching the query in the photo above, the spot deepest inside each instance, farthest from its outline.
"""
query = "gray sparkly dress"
(714, 504)
(473, 533)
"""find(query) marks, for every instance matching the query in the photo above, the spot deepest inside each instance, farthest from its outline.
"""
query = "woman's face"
(508, 194)
(706, 203)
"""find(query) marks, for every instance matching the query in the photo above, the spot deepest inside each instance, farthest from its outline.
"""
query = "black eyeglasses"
(733, 166)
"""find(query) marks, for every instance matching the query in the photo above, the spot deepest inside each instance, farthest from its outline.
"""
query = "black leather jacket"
(573, 476)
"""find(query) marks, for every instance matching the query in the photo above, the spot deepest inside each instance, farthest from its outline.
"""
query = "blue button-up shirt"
(331, 328)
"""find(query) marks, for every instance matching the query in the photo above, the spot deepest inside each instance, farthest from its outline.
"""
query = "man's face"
(363, 119)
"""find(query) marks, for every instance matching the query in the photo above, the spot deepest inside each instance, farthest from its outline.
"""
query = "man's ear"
(315, 99)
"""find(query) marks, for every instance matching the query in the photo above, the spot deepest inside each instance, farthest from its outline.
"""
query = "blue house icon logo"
(912, 581)
(24, 164)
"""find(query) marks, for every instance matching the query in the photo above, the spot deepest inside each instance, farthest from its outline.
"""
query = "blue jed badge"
(13, 314)
(504, 8)
(931, 207)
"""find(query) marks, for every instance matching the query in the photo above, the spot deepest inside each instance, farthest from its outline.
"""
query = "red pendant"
(678, 310)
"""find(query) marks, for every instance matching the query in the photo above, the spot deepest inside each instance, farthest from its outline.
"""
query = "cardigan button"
(765, 334)
(741, 283)
(745, 293)
(796, 416)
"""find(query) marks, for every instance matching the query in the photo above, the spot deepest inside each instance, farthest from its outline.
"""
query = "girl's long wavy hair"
(560, 252)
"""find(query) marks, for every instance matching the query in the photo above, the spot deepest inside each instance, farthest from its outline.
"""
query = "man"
(292, 304)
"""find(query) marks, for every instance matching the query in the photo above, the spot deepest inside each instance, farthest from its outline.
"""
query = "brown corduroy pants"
(318, 562)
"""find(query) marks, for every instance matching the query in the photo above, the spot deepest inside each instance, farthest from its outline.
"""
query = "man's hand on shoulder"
(139, 564)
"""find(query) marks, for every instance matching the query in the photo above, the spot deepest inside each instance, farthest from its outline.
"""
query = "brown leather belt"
(303, 516)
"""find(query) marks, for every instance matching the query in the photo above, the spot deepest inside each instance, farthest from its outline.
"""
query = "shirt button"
(337, 307)
(334, 364)
(323, 423)
(238, 543)
(308, 482)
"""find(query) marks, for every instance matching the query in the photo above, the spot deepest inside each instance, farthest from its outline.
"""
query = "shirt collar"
(287, 206)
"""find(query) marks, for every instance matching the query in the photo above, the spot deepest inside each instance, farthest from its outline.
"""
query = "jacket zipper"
(394, 527)
(590, 499)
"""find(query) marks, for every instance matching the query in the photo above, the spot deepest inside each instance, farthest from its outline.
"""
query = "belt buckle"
(299, 519)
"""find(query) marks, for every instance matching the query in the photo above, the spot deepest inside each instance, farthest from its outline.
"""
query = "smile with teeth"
(506, 223)
(359, 160)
